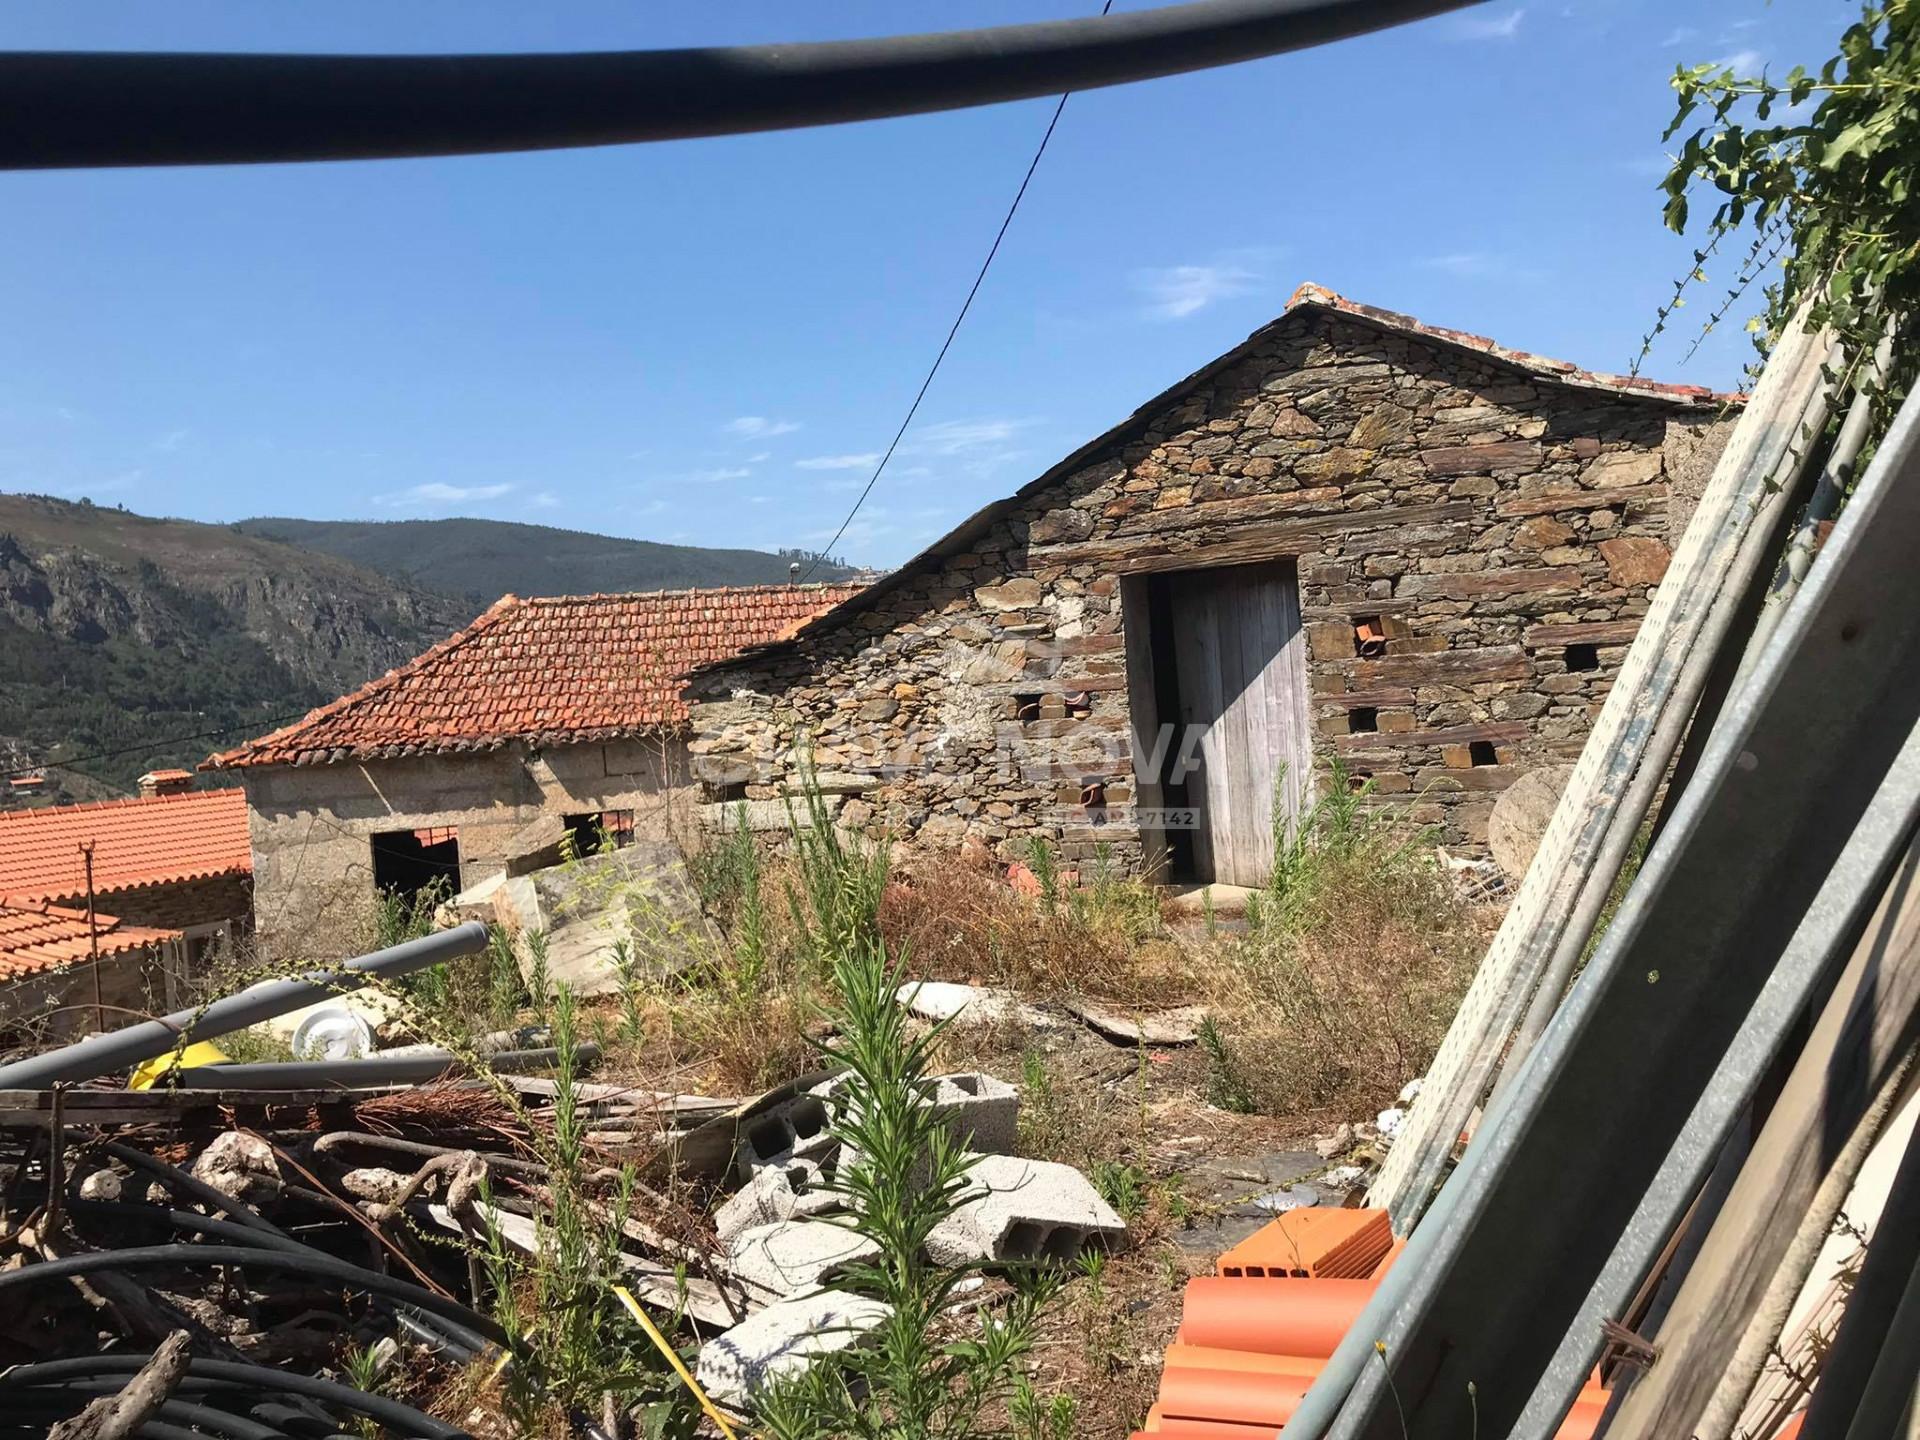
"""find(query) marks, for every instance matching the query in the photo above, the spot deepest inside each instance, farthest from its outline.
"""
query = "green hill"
(121, 636)
(481, 560)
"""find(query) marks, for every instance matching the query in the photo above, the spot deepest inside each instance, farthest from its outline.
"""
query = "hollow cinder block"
(1016, 1209)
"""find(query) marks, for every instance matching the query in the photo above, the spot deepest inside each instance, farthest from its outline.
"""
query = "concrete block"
(793, 1130)
(775, 1193)
(536, 846)
(1019, 1209)
(764, 816)
(796, 1256)
(783, 1340)
(982, 1112)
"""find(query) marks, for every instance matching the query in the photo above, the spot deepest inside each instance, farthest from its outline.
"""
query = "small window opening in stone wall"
(1079, 704)
(1093, 796)
(726, 794)
(1357, 780)
(602, 830)
(407, 862)
(1363, 720)
(1480, 752)
(1369, 637)
(1026, 708)
(1583, 657)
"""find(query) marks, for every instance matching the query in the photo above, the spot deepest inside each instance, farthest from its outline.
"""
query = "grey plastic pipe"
(122, 1049)
(374, 1070)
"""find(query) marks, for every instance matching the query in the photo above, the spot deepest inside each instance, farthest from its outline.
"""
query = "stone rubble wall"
(1504, 531)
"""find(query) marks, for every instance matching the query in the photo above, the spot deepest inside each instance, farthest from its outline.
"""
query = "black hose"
(297, 1423)
(68, 1401)
(86, 109)
(364, 1074)
(155, 1257)
(181, 1183)
(437, 1331)
(258, 1379)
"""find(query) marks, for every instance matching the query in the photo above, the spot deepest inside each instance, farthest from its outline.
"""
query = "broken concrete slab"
(1019, 1209)
(783, 1340)
(637, 902)
(774, 1194)
(1177, 1026)
(793, 1257)
(764, 817)
(536, 846)
(939, 1000)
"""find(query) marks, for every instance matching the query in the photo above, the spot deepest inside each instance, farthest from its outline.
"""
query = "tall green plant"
(835, 901)
(573, 1344)
(902, 1174)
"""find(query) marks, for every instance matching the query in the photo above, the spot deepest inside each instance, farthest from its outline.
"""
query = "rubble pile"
(285, 1230)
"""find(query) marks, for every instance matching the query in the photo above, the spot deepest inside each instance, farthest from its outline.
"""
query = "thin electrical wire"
(160, 744)
(947, 344)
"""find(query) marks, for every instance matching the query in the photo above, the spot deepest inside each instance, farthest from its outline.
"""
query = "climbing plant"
(1816, 171)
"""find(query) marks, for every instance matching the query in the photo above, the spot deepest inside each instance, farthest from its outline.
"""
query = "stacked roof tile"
(151, 840)
(563, 670)
(1253, 1338)
(37, 937)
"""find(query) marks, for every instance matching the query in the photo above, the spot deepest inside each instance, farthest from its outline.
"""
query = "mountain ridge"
(481, 560)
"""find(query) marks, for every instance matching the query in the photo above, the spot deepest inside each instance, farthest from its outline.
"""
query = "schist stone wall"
(1500, 531)
(312, 826)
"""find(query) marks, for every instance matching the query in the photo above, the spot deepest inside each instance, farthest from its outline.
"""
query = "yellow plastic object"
(201, 1052)
(673, 1359)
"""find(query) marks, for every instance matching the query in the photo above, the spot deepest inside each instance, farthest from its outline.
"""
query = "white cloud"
(759, 427)
(172, 440)
(1742, 62)
(759, 457)
(545, 500)
(1680, 35)
(1479, 264)
(1461, 262)
(962, 437)
(1496, 27)
(438, 493)
(714, 477)
(1173, 292)
(839, 462)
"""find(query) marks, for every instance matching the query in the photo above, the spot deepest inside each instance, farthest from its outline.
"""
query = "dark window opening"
(1026, 708)
(1079, 704)
(408, 862)
(1583, 657)
(1181, 859)
(1480, 752)
(1369, 637)
(728, 793)
(1357, 781)
(601, 830)
(1363, 720)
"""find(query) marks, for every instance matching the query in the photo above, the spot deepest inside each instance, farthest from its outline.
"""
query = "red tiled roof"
(150, 840)
(563, 670)
(1560, 370)
(36, 937)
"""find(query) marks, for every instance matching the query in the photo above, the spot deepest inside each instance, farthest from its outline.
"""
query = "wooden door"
(1241, 662)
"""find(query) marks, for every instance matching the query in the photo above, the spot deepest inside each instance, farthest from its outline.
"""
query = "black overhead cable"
(159, 744)
(69, 109)
(952, 330)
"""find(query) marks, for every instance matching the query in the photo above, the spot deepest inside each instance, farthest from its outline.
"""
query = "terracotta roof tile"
(37, 937)
(562, 670)
(151, 840)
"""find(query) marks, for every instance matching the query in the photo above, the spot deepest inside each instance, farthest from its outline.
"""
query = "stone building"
(174, 858)
(1355, 536)
(566, 707)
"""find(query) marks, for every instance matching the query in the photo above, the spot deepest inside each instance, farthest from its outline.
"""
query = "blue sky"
(707, 341)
